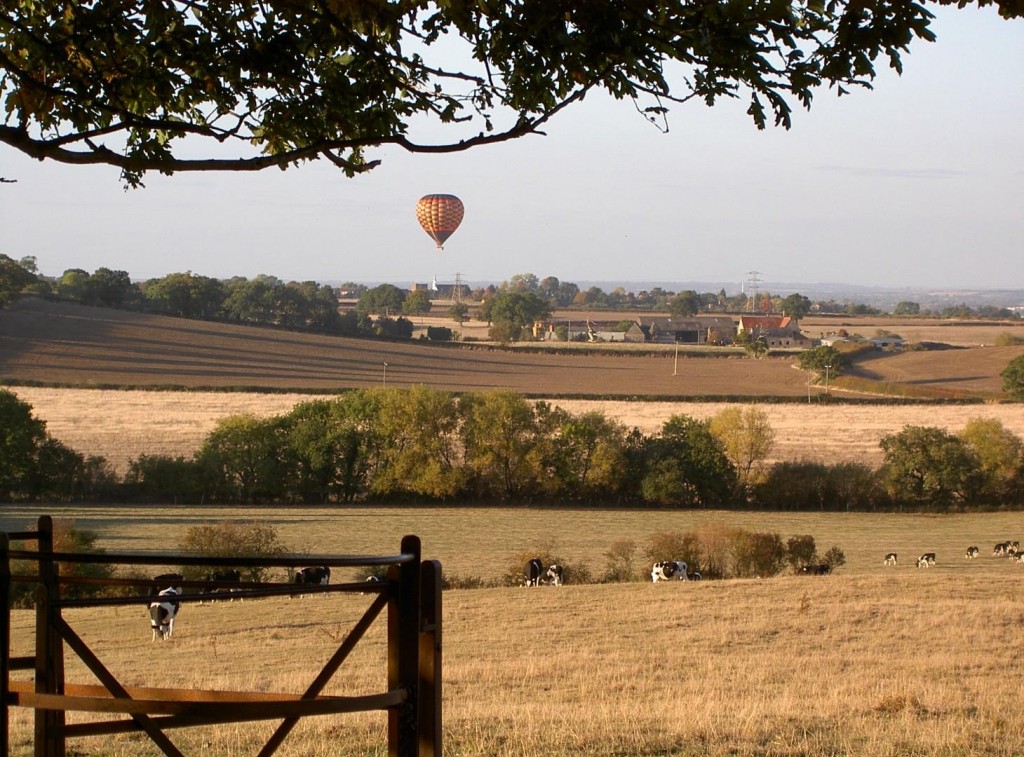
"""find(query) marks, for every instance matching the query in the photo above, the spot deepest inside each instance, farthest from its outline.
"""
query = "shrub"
(66, 538)
(621, 562)
(758, 555)
(439, 333)
(232, 540)
(834, 558)
(1007, 339)
(676, 545)
(801, 550)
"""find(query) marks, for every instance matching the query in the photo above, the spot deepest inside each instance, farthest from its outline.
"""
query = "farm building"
(676, 330)
(581, 330)
(777, 330)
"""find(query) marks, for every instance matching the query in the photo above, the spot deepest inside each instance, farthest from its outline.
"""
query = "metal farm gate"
(411, 594)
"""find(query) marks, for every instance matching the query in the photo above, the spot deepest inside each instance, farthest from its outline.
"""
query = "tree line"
(384, 310)
(422, 445)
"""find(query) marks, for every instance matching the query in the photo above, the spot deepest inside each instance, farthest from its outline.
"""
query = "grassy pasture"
(868, 661)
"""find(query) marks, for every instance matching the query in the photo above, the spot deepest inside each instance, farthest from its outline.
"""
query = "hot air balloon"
(440, 216)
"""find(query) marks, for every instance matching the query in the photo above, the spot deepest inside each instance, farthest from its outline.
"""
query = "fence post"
(430, 661)
(49, 724)
(403, 652)
(5, 643)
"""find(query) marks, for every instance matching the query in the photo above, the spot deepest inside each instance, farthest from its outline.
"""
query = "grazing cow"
(1000, 549)
(555, 575)
(1013, 548)
(822, 569)
(1020, 557)
(162, 611)
(221, 577)
(971, 553)
(926, 560)
(669, 570)
(315, 575)
(890, 559)
(534, 572)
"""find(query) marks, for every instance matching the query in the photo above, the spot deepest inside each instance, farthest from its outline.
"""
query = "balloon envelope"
(440, 216)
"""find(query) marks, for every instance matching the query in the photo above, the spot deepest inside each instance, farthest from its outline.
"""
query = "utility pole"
(385, 382)
(827, 369)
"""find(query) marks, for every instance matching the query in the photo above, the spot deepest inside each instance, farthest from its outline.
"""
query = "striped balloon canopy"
(440, 216)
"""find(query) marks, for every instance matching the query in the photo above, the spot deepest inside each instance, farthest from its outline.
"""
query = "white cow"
(669, 570)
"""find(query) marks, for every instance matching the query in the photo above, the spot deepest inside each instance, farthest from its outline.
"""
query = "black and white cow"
(890, 559)
(1019, 557)
(926, 560)
(555, 575)
(164, 607)
(218, 578)
(314, 575)
(1000, 549)
(1013, 549)
(162, 612)
(971, 552)
(669, 570)
(822, 569)
(534, 572)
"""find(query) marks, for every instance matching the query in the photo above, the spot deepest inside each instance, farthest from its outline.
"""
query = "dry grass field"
(122, 425)
(867, 661)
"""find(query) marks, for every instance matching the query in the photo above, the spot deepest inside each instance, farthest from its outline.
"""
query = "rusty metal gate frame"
(411, 594)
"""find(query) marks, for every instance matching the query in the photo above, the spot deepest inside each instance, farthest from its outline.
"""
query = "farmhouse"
(777, 330)
(581, 330)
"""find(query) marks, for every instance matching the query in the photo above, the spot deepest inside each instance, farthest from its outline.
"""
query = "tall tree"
(685, 303)
(500, 433)
(125, 82)
(929, 467)
(685, 465)
(747, 435)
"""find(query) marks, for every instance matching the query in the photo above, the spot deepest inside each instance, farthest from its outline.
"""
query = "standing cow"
(165, 605)
(669, 570)
(972, 552)
(314, 575)
(926, 560)
(534, 572)
(217, 580)
(890, 559)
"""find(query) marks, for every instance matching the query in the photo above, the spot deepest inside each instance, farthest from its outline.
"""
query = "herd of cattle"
(1008, 549)
(164, 606)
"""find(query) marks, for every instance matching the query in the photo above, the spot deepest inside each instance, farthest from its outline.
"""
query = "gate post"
(430, 661)
(5, 643)
(49, 724)
(403, 652)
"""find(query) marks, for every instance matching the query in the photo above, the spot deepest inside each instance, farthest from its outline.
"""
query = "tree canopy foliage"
(124, 82)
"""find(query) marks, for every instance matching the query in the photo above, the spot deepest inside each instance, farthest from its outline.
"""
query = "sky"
(917, 183)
